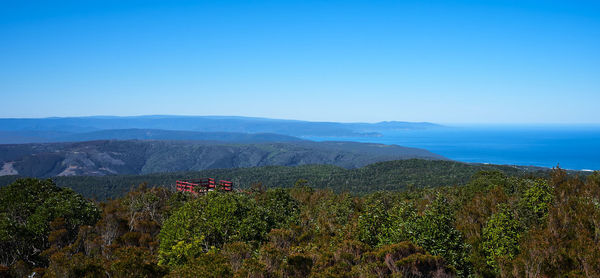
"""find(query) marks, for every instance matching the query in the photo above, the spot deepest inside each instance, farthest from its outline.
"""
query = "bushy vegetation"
(496, 225)
(34, 214)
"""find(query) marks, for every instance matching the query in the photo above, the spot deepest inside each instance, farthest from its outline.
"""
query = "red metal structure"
(203, 186)
(225, 185)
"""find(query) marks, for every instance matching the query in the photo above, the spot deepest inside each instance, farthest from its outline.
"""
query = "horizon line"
(301, 120)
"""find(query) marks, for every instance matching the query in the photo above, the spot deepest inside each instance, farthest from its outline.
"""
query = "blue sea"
(572, 147)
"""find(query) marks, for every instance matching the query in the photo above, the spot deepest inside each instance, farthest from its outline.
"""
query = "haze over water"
(573, 147)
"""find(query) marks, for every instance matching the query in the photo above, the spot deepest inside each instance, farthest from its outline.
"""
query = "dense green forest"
(496, 225)
(389, 175)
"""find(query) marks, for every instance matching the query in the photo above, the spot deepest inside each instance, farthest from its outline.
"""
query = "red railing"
(225, 185)
(202, 185)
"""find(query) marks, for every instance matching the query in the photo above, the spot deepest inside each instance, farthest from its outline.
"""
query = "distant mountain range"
(14, 131)
(141, 134)
(110, 157)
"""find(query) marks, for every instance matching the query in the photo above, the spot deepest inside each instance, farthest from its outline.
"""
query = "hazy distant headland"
(38, 130)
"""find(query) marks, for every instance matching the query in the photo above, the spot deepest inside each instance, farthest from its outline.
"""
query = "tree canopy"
(496, 225)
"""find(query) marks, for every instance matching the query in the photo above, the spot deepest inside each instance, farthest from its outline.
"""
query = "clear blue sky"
(440, 61)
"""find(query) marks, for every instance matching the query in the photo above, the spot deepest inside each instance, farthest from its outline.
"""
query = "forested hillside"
(98, 158)
(494, 226)
(389, 175)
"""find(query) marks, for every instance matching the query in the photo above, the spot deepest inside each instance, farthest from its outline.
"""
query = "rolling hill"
(112, 157)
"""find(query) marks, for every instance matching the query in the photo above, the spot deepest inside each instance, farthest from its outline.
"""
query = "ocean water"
(572, 147)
